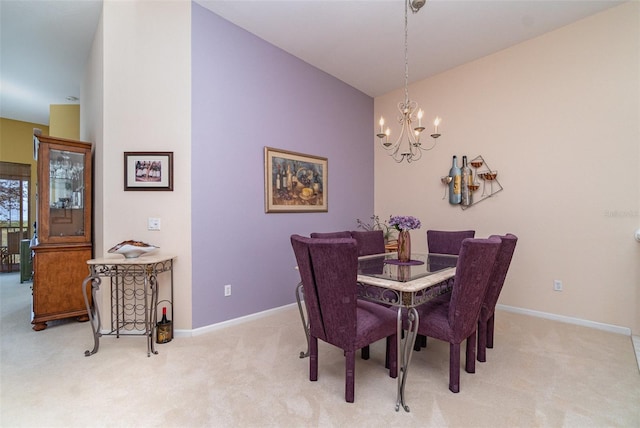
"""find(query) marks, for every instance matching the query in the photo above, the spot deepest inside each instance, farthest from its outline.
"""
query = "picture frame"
(295, 182)
(148, 171)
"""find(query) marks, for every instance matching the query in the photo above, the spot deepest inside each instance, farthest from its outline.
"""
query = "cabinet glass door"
(66, 193)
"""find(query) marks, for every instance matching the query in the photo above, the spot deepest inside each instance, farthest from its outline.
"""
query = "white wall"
(558, 117)
(146, 106)
(91, 127)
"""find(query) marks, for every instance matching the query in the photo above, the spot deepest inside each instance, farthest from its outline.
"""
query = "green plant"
(376, 224)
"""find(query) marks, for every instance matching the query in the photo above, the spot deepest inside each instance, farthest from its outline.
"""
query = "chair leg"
(421, 342)
(350, 363)
(391, 359)
(364, 352)
(387, 356)
(454, 367)
(482, 341)
(313, 358)
(416, 345)
(470, 363)
(490, 330)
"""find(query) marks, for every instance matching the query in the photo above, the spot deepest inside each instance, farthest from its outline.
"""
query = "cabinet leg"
(82, 318)
(37, 326)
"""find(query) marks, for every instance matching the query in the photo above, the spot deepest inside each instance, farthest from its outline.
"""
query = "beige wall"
(140, 69)
(64, 121)
(16, 145)
(558, 117)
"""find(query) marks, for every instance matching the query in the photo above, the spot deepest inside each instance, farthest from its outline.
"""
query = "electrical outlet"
(557, 285)
(227, 290)
(153, 223)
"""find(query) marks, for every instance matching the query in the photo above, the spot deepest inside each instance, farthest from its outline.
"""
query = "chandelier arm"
(416, 5)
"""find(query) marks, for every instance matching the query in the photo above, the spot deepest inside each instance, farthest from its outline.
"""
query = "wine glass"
(491, 176)
(445, 180)
(484, 183)
(477, 162)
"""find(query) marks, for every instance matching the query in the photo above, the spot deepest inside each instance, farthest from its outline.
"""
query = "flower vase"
(404, 246)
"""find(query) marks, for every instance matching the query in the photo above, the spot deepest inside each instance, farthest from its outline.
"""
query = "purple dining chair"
(331, 235)
(454, 320)
(487, 310)
(369, 241)
(443, 242)
(447, 241)
(328, 269)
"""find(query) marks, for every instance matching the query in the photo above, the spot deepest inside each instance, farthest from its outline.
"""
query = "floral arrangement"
(376, 224)
(404, 222)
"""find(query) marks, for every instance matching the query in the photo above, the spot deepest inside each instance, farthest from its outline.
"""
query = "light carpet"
(541, 373)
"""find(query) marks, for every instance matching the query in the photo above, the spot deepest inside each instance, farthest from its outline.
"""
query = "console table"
(134, 295)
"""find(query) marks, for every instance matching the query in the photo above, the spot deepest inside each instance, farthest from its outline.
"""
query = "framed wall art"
(148, 171)
(294, 182)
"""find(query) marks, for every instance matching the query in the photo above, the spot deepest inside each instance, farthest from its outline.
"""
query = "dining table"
(383, 279)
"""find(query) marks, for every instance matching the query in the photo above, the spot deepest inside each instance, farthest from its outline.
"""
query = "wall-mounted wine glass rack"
(484, 181)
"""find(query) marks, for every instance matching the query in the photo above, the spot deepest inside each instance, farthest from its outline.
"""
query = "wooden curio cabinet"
(64, 230)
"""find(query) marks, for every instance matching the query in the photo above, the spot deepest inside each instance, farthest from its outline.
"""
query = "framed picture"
(148, 171)
(294, 182)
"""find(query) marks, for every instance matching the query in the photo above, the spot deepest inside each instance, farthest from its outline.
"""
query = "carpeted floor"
(540, 373)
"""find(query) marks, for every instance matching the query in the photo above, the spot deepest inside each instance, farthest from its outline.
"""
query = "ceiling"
(45, 44)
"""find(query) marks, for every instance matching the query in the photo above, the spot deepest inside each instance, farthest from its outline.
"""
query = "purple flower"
(404, 222)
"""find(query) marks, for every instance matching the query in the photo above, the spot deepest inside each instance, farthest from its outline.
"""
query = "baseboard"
(636, 347)
(561, 318)
(213, 327)
(570, 320)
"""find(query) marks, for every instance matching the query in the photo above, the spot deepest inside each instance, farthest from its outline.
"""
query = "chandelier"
(408, 145)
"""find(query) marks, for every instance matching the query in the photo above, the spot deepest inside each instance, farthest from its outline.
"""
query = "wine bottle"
(284, 180)
(454, 186)
(289, 176)
(278, 179)
(164, 330)
(466, 195)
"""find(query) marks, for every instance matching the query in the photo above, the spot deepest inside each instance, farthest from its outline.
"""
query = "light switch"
(153, 223)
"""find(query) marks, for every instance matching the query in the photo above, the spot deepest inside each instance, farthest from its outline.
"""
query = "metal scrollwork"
(134, 298)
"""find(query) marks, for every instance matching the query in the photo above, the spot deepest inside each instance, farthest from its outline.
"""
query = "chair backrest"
(300, 246)
(331, 235)
(335, 267)
(475, 265)
(328, 269)
(447, 241)
(496, 281)
(369, 241)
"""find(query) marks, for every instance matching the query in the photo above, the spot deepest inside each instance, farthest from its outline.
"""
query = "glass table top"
(387, 266)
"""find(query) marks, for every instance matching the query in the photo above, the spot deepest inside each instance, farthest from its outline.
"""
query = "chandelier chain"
(406, 53)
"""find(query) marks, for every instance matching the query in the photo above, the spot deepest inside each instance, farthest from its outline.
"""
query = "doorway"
(15, 221)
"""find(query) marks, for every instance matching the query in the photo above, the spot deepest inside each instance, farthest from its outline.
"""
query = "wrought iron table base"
(305, 323)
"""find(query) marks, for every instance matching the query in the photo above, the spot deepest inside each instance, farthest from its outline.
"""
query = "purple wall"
(247, 94)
